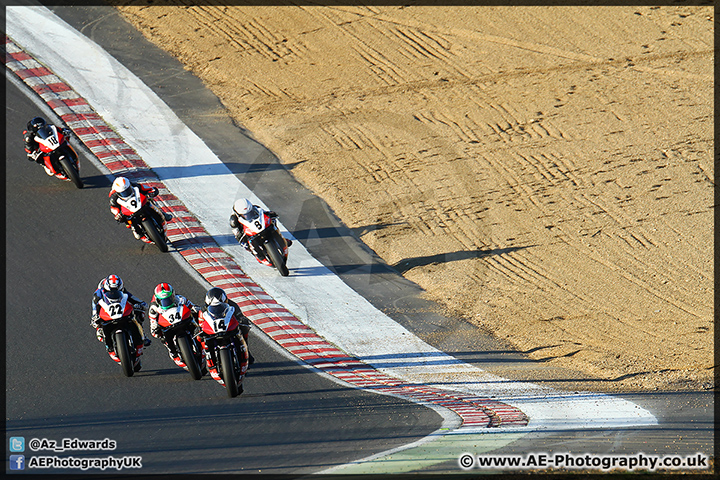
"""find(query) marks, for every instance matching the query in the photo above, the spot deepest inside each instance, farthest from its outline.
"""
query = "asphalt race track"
(61, 384)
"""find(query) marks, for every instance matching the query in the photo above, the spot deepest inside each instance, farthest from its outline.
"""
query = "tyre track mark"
(582, 58)
(248, 36)
(385, 70)
(622, 261)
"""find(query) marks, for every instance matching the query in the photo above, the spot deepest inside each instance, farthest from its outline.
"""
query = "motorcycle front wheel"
(154, 235)
(276, 257)
(123, 352)
(227, 370)
(186, 353)
(71, 171)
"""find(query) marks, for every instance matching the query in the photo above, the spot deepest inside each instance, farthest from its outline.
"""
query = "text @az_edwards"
(71, 444)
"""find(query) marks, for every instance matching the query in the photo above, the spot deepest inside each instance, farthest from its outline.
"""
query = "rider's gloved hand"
(95, 322)
(119, 217)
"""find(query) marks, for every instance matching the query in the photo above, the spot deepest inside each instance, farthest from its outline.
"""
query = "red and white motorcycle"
(58, 155)
(225, 348)
(117, 319)
(138, 207)
(266, 243)
(178, 328)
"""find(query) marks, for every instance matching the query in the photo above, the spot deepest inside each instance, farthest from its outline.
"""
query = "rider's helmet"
(36, 123)
(112, 282)
(243, 207)
(122, 186)
(165, 296)
(214, 296)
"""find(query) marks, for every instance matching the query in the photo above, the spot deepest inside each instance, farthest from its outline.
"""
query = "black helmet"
(36, 123)
(214, 296)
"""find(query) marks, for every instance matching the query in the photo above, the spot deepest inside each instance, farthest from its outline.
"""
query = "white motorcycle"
(138, 208)
(265, 242)
(58, 156)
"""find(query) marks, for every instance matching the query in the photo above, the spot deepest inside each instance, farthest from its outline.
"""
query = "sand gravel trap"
(544, 172)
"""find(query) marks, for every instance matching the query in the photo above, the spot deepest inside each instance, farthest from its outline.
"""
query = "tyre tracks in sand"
(548, 178)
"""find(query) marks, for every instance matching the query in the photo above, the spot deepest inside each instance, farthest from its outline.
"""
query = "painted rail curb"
(204, 255)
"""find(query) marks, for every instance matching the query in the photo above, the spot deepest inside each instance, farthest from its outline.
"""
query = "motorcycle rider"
(123, 188)
(245, 209)
(32, 147)
(115, 283)
(217, 308)
(217, 295)
(164, 297)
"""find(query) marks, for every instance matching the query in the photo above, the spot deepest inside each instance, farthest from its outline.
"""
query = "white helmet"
(242, 207)
(121, 185)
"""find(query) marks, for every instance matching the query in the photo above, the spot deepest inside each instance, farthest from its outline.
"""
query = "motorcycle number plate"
(173, 315)
(114, 310)
(218, 325)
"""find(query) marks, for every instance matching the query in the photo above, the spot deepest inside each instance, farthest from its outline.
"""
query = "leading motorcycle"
(225, 348)
(178, 328)
(58, 155)
(138, 208)
(266, 243)
(117, 319)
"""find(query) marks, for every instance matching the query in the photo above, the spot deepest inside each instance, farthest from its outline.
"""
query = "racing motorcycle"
(138, 208)
(117, 319)
(225, 348)
(266, 243)
(58, 155)
(178, 328)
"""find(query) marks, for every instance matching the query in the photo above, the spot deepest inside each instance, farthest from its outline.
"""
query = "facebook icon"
(17, 462)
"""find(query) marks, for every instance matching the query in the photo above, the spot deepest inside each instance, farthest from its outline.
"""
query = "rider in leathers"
(32, 148)
(107, 284)
(202, 337)
(164, 297)
(217, 295)
(122, 188)
(243, 208)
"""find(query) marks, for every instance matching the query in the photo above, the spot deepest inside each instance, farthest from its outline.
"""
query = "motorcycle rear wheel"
(187, 356)
(154, 235)
(123, 352)
(227, 370)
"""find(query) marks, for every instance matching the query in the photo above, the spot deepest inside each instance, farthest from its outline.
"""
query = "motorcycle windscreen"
(45, 132)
